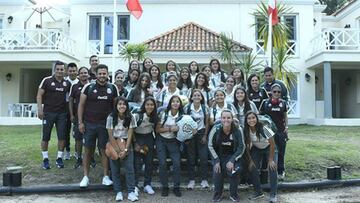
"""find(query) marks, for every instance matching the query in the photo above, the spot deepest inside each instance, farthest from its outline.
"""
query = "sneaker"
(165, 192)
(281, 176)
(204, 184)
(273, 199)
(136, 191)
(149, 190)
(84, 182)
(132, 197)
(46, 164)
(92, 163)
(59, 163)
(78, 163)
(67, 155)
(256, 195)
(235, 198)
(119, 197)
(217, 197)
(177, 192)
(191, 185)
(106, 181)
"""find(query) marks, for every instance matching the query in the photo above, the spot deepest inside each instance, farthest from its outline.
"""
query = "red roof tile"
(190, 37)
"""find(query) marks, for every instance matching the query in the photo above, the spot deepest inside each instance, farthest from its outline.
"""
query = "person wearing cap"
(167, 144)
(276, 108)
(226, 146)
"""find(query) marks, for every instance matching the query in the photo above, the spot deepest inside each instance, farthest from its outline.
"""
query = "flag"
(272, 10)
(134, 7)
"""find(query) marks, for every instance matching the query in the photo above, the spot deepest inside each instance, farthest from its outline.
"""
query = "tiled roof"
(190, 37)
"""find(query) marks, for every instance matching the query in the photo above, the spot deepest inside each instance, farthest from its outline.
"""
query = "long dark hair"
(206, 83)
(259, 127)
(159, 84)
(249, 82)
(247, 106)
(137, 89)
(143, 65)
(242, 82)
(115, 113)
(187, 82)
(191, 95)
(222, 77)
(134, 61)
(168, 108)
(127, 79)
(197, 65)
(153, 115)
(171, 61)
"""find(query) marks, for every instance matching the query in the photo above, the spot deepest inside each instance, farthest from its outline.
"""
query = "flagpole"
(270, 45)
(115, 44)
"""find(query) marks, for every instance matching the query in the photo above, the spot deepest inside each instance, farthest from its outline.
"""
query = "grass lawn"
(310, 150)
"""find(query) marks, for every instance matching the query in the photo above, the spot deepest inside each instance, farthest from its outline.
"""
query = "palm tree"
(281, 69)
(248, 65)
(134, 51)
(227, 49)
(280, 31)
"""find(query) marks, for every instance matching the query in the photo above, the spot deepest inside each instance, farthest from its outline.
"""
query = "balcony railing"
(336, 40)
(291, 47)
(39, 39)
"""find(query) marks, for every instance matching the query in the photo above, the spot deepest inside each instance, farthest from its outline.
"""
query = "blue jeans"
(147, 159)
(115, 165)
(219, 177)
(280, 141)
(169, 147)
(258, 155)
(195, 147)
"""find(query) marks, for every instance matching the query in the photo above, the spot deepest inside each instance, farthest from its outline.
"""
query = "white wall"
(9, 89)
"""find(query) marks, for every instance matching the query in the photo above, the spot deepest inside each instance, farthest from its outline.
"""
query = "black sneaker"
(78, 163)
(177, 192)
(256, 195)
(59, 163)
(165, 192)
(217, 197)
(235, 198)
(46, 164)
(92, 163)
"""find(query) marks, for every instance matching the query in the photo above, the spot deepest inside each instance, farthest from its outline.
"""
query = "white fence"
(39, 39)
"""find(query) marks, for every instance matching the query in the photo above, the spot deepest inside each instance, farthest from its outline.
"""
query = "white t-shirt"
(263, 142)
(171, 120)
(218, 111)
(120, 131)
(241, 114)
(197, 115)
(164, 98)
(145, 126)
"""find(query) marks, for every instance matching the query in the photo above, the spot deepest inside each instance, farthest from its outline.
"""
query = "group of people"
(137, 115)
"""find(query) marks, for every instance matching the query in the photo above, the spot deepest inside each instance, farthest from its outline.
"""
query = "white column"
(327, 91)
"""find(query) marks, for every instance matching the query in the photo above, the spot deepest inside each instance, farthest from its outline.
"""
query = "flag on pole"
(134, 7)
(272, 11)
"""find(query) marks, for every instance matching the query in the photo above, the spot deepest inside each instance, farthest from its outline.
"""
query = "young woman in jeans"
(120, 125)
(260, 145)
(226, 146)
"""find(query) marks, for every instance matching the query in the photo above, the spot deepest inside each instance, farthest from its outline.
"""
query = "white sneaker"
(191, 185)
(204, 184)
(84, 182)
(67, 155)
(132, 197)
(281, 176)
(149, 190)
(119, 197)
(136, 191)
(106, 181)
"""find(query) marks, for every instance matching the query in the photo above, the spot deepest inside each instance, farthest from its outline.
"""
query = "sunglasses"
(276, 92)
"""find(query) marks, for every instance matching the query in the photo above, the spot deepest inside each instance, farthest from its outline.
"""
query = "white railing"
(97, 47)
(336, 39)
(291, 47)
(293, 109)
(39, 39)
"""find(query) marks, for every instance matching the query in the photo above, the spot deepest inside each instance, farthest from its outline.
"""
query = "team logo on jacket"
(281, 105)
(108, 90)
(95, 91)
(269, 105)
(64, 84)
(52, 84)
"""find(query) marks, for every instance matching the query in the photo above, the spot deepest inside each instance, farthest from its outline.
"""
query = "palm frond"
(248, 65)
(282, 71)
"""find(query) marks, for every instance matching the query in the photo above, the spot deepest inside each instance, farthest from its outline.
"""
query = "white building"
(320, 45)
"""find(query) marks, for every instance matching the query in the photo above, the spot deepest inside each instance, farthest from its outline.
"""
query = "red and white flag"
(134, 7)
(272, 10)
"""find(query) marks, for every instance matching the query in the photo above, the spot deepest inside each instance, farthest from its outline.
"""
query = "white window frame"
(92, 48)
(2, 22)
(297, 101)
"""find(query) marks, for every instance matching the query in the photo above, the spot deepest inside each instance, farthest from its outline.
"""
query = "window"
(1, 21)
(290, 21)
(101, 31)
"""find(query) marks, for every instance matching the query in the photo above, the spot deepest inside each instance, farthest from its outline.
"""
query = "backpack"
(228, 105)
(267, 121)
(166, 116)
